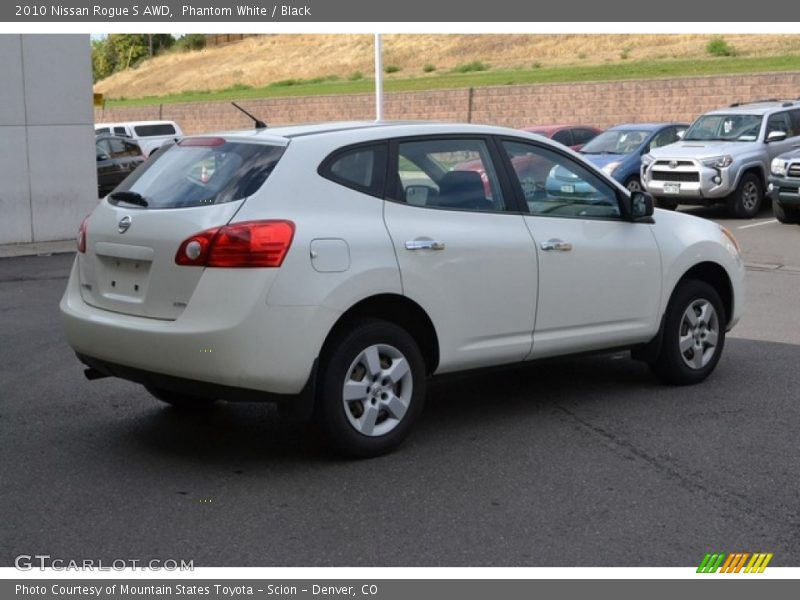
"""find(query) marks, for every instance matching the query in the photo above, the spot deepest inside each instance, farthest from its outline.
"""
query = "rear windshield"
(152, 130)
(183, 176)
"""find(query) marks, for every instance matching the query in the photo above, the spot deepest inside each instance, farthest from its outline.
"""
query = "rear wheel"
(746, 201)
(694, 334)
(372, 388)
(666, 203)
(180, 401)
(785, 214)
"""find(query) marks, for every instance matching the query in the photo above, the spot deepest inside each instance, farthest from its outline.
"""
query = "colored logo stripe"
(734, 562)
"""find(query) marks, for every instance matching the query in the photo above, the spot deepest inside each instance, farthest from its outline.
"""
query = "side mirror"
(641, 207)
(776, 136)
(101, 157)
(417, 195)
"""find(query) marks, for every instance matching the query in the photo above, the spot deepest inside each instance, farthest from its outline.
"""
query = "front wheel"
(746, 201)
(634, 184)
(372, 388)
(786, 215)
(694, 334)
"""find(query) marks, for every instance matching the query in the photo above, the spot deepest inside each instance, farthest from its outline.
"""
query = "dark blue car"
(618, 151)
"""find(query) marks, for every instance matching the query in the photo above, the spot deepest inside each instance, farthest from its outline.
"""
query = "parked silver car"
(724, 157)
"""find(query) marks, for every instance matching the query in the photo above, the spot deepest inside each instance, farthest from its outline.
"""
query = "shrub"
(536, 65)
(391, 69)
(356, 76)
(429, 68)
(469, 67)
(718, 46)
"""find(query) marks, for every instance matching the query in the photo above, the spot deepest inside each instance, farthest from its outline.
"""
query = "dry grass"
(259, 61)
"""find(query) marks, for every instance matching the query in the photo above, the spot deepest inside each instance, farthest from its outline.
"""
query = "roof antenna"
(258, 122)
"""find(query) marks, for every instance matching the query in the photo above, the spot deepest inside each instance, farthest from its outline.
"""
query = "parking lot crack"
(747, 508)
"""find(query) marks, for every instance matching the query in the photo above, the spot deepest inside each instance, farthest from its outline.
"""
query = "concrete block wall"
(595, 103)
(48, 177)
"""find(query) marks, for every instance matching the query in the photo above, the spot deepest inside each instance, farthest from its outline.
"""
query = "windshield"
(199, 174)
(725, 128)
(616, 142)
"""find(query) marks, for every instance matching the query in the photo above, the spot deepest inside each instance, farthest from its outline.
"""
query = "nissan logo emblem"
(124, 224)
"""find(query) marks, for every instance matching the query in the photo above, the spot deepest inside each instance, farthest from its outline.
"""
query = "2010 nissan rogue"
(332, 268)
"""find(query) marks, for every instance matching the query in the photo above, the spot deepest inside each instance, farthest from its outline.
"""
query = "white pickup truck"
(150, 135)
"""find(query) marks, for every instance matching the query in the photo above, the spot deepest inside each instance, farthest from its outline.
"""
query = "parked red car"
(533, 170)
(574, 136)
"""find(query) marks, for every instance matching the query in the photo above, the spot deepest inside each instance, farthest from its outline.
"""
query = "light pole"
(378, 78)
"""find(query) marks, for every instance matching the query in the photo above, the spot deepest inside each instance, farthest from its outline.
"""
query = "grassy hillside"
(288, 65)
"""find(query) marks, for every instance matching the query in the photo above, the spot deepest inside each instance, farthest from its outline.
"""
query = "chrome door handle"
(424, 245)
(556, 244)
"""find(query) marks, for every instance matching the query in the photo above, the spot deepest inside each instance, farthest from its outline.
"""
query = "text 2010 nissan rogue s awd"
(333, 268)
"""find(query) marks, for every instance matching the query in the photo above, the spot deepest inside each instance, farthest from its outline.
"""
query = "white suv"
(333, 268)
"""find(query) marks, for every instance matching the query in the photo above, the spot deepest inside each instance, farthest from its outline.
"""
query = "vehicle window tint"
(563, 136)
(664, 138)
(196, 175)
(153, 130)
(117, 147)
(779, 122)
(362, 168)
(794, 117)
(101, 153)
(582, 136)
(102, 130)
(448, 173)
(131, 149)
(104, 146)
(557, 186)
(120, 131)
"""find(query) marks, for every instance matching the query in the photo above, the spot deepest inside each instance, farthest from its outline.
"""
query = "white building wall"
(48, 173)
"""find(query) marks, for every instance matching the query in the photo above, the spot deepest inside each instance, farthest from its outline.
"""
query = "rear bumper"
(230, 340)
(300, 406)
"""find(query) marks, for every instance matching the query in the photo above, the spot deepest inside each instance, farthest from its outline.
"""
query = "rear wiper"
(129, 198)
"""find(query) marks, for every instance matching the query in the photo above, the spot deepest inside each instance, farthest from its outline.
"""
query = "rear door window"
(361, 168)
(154, 130)
(120, 131)
(200, 172)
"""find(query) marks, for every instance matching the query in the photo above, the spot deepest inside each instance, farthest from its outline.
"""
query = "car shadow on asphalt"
(235, 433)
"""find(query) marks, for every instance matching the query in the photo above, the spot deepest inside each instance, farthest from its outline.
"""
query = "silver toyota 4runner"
(724, 157)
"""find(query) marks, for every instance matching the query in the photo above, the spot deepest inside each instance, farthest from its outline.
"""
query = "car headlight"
(718, 162)
(648, 159)
(778, 166)
(611, 167)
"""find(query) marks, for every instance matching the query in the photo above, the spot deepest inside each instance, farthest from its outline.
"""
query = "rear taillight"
(82, 235)
(247, 244)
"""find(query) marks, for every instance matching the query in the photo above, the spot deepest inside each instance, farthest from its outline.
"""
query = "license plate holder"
(672, 188)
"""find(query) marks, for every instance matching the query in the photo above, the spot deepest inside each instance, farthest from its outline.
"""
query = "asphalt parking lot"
(576, 462)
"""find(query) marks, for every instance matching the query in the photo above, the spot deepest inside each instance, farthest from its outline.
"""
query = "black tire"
(184, 402)
(671, 363)
(666, 203)
(748, 198)
(790, 216)
(344, 362)
(633, 183)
